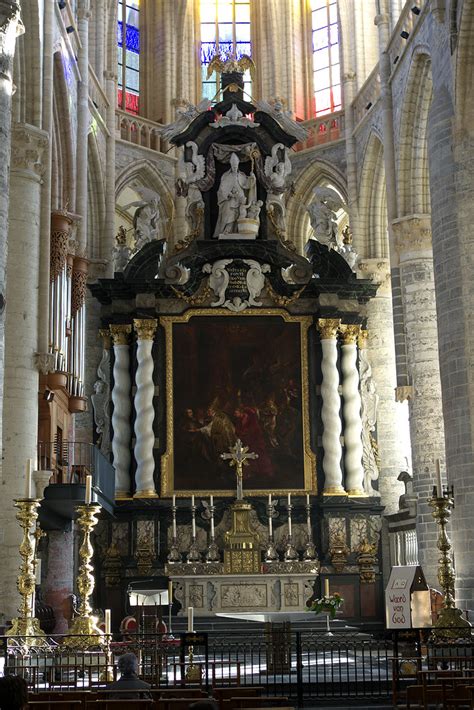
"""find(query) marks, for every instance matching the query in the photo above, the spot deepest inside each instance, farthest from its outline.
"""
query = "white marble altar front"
(215, 593)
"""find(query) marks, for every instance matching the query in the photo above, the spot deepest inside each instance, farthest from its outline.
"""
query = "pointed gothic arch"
(413, 173)
(320, 172)
(372, 201)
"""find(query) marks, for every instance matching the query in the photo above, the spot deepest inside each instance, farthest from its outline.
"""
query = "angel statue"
(185, 114)
(322, 215)
(146, 219)
(276, 108)
(276, 170)
(190, 172)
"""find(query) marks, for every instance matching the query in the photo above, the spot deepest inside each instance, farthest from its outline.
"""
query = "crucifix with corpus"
(239, 456)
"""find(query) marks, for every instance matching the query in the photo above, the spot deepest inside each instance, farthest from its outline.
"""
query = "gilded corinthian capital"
(106, 336)
(363, 338)
(328, 328)
(350, 333)
(145, 328)
(120, 334)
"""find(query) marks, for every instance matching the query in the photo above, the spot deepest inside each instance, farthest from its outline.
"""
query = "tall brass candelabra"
(450, 622)
(84, 632)
(26, 625)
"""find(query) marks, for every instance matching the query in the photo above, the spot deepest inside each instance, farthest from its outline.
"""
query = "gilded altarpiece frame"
(237, 375)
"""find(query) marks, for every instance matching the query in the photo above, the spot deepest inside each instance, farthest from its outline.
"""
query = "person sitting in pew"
(129, 680)
(13, 693)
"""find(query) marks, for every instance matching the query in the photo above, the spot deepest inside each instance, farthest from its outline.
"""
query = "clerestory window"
(128, 54)
(326, 61)
(225, 27)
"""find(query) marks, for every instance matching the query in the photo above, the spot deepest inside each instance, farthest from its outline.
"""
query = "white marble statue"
(121, 252)
(101, 402)
(347, 250)
(146, 219)
(236, 194)
(190, 172)
(369, 406)
(322, 215)
(185, 114)
(277, 170)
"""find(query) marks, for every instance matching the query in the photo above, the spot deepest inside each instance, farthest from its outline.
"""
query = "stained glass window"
(225, 27)
(326, 63)
(128, 54)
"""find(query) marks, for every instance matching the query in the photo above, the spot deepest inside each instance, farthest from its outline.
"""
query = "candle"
(174, 501)
(174, 525)
(194, 516)
(192, 501)
(88, 490)
(190, 618)
(170, 592)
(107, 621)
(307, 499)
(289, 498)
(29, 465)
(439, 484)
(212, 517)
(269, 499)
(212, 501)
(326, 587)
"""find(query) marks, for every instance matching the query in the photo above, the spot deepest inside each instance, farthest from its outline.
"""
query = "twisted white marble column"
(121, 399)
(328, 328)
(144, 412)
(352, 412)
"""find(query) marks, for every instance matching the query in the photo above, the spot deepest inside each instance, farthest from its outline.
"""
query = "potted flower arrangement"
(327, 604)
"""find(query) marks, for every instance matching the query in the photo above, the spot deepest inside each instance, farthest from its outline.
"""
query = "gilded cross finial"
(239, 456)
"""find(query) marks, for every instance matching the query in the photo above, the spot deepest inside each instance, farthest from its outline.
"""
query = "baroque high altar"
(229, 338)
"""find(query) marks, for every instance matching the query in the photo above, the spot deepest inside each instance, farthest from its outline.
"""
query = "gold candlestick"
(193, 671)
(26, 625)
(84, 631)
(449, 622)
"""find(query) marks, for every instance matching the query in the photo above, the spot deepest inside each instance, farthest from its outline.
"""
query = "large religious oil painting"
(235, 377)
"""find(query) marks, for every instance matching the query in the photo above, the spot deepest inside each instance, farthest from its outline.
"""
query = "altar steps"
(219, 625)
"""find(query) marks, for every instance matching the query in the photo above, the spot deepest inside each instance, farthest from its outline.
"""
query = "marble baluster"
(121, 398)
(328, 329)
(145, 413)
(352, 412)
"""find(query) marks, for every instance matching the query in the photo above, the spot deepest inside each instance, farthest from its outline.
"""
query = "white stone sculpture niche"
(239, 209)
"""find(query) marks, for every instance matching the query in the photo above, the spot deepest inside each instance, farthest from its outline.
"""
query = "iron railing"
(345, 667)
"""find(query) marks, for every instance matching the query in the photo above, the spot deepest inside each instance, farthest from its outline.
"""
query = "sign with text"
(407, 599)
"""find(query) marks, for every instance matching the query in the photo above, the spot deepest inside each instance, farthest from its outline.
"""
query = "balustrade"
(323, 130)
(138, 130)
